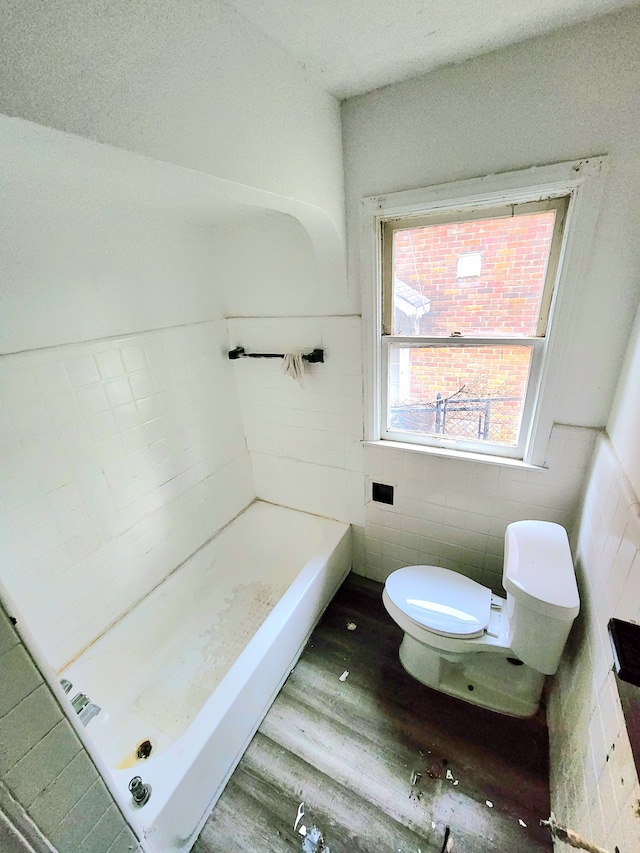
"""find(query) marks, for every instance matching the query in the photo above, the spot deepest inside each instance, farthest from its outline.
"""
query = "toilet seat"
(442, 601)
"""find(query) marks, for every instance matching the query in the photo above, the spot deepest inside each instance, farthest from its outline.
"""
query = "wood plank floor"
(375, 758)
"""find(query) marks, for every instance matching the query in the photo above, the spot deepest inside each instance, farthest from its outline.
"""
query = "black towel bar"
(313, 357)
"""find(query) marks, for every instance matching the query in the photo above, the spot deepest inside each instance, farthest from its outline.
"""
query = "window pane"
(470, 393)
(481, 277)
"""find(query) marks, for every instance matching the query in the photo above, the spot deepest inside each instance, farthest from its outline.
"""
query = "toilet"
(462, 639)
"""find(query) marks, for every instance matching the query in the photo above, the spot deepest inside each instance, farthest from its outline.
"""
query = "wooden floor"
(376, 758)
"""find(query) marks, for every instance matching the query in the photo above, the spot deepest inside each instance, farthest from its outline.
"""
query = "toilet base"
(487, 679)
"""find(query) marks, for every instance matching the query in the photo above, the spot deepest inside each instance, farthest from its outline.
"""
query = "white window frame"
(582, 183)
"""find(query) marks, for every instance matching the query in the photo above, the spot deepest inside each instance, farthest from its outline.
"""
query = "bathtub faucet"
(84, 708)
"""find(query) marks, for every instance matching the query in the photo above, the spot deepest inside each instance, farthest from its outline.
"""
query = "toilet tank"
(542, 593)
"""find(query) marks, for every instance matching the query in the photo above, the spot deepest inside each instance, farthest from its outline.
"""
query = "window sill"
(462, 455)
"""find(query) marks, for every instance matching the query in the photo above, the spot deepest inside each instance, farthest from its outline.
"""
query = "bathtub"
(194, 667)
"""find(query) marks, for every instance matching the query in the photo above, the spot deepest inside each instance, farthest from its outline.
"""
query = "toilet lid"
(441, 600)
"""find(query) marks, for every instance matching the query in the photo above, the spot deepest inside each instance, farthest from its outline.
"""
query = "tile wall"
(594, 783)
(306, 452)
(118, 458)
(453, 513)
(45, 767)
(305, 443)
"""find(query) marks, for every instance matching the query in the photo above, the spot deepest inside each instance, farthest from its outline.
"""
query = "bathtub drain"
(144, 749)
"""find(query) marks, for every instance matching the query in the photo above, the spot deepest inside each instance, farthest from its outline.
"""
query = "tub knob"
(139, 791)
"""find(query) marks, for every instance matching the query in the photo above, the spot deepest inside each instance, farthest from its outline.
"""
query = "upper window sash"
(462, 215)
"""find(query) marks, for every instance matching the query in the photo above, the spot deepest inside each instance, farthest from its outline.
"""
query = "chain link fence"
(495, 419)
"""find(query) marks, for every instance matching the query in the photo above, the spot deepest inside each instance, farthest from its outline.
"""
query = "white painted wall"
(81, 271)
(267, 266)
(624, 422)
(553, 99)
(97, 241)
(549, 100)
(192, 84)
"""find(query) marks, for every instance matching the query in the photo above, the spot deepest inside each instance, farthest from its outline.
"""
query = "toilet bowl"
(462, 639)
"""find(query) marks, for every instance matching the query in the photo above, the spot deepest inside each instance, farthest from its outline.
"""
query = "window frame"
(536, 343)
(581, 182)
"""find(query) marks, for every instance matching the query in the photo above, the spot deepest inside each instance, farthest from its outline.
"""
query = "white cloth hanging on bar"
(293, 366)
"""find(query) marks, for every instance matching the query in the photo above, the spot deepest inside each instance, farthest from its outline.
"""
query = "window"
(466, 318)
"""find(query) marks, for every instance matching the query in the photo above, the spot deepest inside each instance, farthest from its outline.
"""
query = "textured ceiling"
(353, 46)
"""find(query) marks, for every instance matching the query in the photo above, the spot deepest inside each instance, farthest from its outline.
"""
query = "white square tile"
(20, 490)
(92, 399)
(142, 384)
(109, 364)
(126, 417)
(118, 392)
(134, 357)
(52, 379)
(101, 426)
(17, 387)
(82, 369)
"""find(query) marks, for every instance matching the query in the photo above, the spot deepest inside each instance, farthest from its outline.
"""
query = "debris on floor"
(521, 822)
(299, 816)
(447, 843)
(437, 768)
(314, 842)
(415, 794)
(351, 626)
(489, 803)
(344, 675)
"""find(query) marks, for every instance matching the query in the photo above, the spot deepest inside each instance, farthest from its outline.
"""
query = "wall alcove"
(97, 241)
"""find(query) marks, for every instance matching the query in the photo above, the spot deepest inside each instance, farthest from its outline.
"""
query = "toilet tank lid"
(538, 568)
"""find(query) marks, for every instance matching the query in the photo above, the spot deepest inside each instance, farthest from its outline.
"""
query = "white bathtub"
(195, 666)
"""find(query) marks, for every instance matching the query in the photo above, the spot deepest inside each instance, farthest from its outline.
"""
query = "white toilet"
(464, 640)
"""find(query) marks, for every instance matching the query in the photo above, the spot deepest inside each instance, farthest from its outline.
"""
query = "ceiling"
(353, 46)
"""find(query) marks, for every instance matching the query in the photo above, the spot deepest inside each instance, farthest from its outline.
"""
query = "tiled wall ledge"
(466, 456)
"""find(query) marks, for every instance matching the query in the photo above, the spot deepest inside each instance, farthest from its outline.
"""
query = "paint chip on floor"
(351, 626)
(489, 803)
(299, 816)
(521, 822)
(314, 842)
(344, 675)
